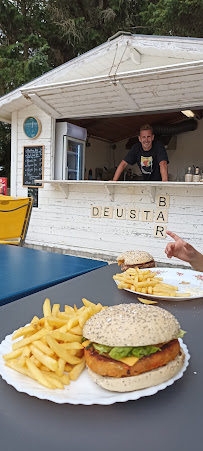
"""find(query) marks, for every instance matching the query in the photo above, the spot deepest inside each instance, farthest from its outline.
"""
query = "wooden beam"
(135, 56)
(44, 106)
(125, 95)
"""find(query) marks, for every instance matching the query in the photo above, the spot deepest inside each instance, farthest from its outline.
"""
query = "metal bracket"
(65, 189)
(152, 192)
(111, 191)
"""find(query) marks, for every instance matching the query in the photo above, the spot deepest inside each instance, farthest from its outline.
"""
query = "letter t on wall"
(146, 215)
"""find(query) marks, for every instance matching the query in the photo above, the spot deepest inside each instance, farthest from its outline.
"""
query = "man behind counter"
(150, 156)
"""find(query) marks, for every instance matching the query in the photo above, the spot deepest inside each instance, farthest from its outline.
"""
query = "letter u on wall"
(119, 213)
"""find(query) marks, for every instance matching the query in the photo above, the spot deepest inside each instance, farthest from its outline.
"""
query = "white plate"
(83, 391)
(186, 280)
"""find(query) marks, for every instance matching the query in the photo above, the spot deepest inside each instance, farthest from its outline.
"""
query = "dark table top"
(25, 271)
(168, 420)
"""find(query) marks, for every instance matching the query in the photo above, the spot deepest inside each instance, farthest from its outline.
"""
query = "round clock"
(32, 127)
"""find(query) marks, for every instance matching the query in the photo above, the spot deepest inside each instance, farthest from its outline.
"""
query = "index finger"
(173, 235)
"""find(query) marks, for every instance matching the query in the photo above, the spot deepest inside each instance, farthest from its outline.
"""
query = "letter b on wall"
(163, 201)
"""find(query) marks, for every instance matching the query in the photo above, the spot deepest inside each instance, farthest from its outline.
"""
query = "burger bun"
(131, 325)
(144, 380)
(132, 259)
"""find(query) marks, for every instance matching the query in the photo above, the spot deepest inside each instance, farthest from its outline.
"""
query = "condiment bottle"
(188, 176)
(196, 176)
(90, 174)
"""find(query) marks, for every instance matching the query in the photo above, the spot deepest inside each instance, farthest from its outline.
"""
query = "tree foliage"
(173, 17)
(37, 35)
(23, 55)
(84, 24)
(5, 150)
(23, 45)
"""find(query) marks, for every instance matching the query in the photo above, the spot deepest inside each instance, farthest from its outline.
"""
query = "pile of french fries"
(146, 282)
(50, 349)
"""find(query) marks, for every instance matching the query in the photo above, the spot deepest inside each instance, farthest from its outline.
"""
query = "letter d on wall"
(95, 212)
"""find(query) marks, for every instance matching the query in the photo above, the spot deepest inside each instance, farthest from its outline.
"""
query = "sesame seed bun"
(144, 380)
(131, 325)
(134, 257)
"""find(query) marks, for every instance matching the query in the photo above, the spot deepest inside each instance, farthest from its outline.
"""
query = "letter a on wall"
(161, 215)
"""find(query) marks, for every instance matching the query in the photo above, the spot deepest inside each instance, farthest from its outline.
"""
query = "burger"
(133, 259)
(130, 347)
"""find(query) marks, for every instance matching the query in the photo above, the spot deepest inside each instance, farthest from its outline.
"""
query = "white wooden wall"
(66, 223)
(21, 139)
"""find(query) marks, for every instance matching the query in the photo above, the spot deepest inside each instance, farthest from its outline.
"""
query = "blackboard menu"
(33, 165)
(33, 192)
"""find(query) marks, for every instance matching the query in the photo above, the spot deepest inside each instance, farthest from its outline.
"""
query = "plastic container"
(90, 174)
(196, 176)
(189, 176)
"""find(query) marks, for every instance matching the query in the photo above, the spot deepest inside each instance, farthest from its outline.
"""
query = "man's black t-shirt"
(148, 161)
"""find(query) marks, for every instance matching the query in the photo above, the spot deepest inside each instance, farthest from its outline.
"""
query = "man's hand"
(119, 170)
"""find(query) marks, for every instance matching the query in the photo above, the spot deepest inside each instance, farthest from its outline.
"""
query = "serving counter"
(170, 419)
(103, 219)
(111, 186)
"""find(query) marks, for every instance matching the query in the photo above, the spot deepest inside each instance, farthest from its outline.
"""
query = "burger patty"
(150, 264)
(105, 366)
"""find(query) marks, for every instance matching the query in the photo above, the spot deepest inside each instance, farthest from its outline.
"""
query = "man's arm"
(163, 170)
(119, 170)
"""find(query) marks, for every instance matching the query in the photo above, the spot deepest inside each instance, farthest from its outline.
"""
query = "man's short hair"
(146, 127)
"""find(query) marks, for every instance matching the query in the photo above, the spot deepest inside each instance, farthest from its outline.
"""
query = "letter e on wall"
(107, 212)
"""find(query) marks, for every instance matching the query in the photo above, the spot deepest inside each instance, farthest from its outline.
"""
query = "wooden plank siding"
(67, 223)
(149, 92)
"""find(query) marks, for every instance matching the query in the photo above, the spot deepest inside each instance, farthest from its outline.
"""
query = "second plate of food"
(189, 284)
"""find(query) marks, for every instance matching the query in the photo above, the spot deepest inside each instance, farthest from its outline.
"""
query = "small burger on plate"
(132, 259)
(130, 347)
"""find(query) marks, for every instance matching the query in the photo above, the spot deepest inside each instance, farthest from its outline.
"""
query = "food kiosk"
(108, 93)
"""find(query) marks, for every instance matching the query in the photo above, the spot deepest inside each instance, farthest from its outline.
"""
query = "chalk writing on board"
(33, 165)
(33, 192)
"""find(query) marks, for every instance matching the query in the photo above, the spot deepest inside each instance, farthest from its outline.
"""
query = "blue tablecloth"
(25, 271)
